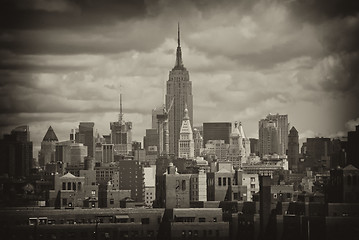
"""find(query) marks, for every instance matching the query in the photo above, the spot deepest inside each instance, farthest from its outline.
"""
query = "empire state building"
(179, 90)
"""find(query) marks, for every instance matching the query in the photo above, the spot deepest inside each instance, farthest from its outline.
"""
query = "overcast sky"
(62, 62)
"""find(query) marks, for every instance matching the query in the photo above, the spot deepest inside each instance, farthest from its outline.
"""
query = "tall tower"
(282, 131)
(186, 143)
(293, 149)
(121, 134)
(179, 90)
(268, 137)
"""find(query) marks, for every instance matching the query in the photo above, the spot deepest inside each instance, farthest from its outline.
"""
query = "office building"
(48, 148)
(216, 131)
(16, 153)
(85, 136)
(179, 94)
(268, 137)
(282, 131)
(352, 147)
(216, 150)
(293, 149)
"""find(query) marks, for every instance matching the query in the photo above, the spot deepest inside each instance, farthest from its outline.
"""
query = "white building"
(186, 143)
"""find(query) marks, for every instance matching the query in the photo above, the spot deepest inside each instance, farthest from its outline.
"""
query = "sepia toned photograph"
(179, 119)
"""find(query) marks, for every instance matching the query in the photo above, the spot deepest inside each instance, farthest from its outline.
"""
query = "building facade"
(293, 149)
(186, 143)
(216, 131)
(179, 90)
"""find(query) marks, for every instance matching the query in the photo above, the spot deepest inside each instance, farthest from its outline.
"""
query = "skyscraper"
(48, 147)
(121, 134)
(293, 149)
(16, 153)
(179, 90)
(268, 137)
(86, 136)
(282, 131)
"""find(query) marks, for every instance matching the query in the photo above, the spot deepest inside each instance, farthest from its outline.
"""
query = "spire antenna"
(178, 35)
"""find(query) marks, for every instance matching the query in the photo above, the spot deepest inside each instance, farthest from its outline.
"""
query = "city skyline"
(64, 63)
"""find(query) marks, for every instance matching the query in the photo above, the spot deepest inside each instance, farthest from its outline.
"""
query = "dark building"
(216, 131)
(16, 153)
(254, 144)
(343, 185)
(353, 147)
(131, 177)
(86, 136)
(179, 95)
(293, 149)
(317, 154)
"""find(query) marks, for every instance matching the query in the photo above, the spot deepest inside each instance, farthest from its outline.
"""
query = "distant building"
(173, 189)
(216, 131)
(86, 136)
(216, 150)
(254, 143)
(198, 183)
(179, 91)
(198, 142)
(239, 148)
(131, 177)
(317, 155)
(352, 147)
(48, 148)
(150, 185)
(282, 127)
(251, 182)
(343, 185)
(71, 191)
(107, 153)
(293, 149)
(268, 137)
(16, 153)
(121, 135)
(186, 143)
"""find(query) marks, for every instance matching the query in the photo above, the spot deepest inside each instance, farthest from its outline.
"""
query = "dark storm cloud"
(67, 14)
(338, 27)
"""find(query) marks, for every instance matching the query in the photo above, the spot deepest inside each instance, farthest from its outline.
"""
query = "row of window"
(195, 233)
(224, 181)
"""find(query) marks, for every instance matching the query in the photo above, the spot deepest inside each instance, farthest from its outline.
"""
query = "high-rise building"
(268, 137)
(16, 153)
(48, 148)
(121, 134)
(216, 131)
(155, 112)
(318, 154)
(293, 149)
(186, 143)
(86, 136)
(352, 147)
(254, 146)
(282, 131)
(179, 90)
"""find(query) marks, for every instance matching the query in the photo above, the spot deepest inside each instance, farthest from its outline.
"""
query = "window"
(112, 201)
(202, 219)
(253, 179)
(183, 185)
(145, 220)
(68, 186)
(132, 220)
(63, 186)
(224, 181)
(184, 233)
(214, 219)
(219, 181)
(93, 192)
(74, 186)
(274, 195)
(253, 186)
